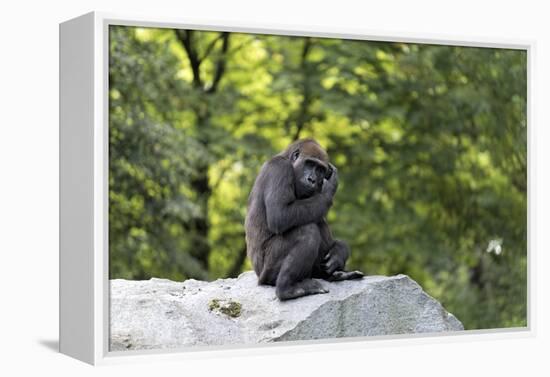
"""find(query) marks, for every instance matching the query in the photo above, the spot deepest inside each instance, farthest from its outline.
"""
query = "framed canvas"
(239, 188)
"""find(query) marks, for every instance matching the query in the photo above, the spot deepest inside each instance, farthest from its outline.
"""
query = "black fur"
(288, 239)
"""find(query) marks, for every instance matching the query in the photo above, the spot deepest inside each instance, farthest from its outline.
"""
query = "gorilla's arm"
(283, 210)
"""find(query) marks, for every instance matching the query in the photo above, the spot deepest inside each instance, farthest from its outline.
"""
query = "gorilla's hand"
(332, 262)
(331, 185)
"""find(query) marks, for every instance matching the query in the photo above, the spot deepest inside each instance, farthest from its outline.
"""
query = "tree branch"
(185, 37)
(234, 50)
(210, 47)
(221, 63)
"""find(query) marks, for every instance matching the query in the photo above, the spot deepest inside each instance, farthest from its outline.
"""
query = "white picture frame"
(84, 284)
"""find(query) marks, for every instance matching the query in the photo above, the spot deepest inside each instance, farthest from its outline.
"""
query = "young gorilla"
(287, 236)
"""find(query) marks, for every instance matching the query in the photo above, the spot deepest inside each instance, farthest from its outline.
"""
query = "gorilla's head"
(311, 166)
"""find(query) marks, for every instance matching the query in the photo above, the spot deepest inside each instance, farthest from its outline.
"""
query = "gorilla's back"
(255, 223)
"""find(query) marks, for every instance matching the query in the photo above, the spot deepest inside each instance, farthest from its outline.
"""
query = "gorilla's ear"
(294, 156)
(329, 172)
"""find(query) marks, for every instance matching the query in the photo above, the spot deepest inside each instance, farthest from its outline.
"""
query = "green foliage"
(430, 143)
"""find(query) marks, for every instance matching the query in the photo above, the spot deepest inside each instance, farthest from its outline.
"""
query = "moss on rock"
(228, 307)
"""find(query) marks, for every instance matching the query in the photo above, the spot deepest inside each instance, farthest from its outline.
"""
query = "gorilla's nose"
(311, 180)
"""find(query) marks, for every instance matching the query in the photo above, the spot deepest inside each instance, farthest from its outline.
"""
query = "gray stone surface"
(159, 313)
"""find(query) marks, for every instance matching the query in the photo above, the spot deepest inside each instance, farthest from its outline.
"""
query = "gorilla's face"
(310, 174)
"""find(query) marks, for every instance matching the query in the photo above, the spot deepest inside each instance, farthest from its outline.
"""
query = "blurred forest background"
(429, 140)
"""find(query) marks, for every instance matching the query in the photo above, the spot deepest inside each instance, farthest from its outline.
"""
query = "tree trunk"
(302, 117)
(200, 184)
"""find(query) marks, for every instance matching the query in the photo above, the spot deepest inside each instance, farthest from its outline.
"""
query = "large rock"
(161, 313)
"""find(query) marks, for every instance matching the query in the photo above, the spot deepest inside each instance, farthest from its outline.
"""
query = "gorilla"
(288, 239)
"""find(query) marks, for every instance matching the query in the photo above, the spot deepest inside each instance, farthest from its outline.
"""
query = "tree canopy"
(429, 140)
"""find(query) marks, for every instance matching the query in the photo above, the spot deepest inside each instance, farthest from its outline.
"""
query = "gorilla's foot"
(303, 288)
(345, 275)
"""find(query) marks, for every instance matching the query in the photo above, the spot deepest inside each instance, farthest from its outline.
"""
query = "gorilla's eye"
(295, 155)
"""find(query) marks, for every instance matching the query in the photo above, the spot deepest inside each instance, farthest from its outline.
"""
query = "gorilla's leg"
(294, 277)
